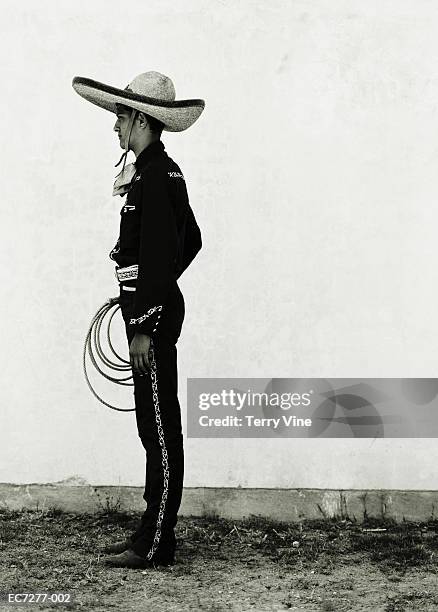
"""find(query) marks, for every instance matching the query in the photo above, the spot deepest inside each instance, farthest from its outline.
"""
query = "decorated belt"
(128, 273)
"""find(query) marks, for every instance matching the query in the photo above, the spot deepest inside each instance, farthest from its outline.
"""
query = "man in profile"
(158, 239)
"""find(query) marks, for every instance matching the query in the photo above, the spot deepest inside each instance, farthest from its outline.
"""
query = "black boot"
(116, 548)
(130, 559)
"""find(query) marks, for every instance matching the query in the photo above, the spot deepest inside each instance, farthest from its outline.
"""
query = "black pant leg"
(158, 417)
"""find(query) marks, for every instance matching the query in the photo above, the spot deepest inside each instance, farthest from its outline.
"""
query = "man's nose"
(116, 126)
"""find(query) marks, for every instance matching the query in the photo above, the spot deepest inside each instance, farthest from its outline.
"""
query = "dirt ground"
(221, 565)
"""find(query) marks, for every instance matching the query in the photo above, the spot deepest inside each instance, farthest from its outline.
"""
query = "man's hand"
(138, 354)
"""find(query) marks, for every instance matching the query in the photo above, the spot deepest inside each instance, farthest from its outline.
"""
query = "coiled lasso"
(93, 347)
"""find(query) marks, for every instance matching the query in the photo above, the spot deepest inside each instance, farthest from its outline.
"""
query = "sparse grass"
(416, 599)
(52, 549)
(398, 546)
(107, 503)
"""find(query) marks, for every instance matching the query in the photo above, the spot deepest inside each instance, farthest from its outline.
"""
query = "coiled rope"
(93, 346)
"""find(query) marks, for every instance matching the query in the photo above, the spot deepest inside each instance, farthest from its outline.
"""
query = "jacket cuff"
(147, 323)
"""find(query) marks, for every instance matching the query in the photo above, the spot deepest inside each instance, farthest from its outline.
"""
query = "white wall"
(313, 174)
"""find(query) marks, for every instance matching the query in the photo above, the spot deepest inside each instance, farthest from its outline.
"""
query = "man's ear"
(143, 122)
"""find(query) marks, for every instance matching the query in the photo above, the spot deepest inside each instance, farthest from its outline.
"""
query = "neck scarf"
(122, 183)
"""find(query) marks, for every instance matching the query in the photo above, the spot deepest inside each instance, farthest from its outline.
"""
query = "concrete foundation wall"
(278, 504)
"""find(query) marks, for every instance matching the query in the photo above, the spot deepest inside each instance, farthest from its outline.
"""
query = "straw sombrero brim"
(177, 115)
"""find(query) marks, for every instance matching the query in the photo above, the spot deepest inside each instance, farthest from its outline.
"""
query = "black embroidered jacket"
(159, 236)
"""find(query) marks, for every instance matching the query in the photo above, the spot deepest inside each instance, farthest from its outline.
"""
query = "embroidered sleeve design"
(148, 314)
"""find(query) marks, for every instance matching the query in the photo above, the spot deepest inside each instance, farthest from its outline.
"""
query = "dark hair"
(155, 125)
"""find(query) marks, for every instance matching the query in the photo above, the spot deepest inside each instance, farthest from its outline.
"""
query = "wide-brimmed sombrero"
(151, 92)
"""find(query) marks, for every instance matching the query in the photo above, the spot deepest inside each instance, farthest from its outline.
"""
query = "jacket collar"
(153, 149)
